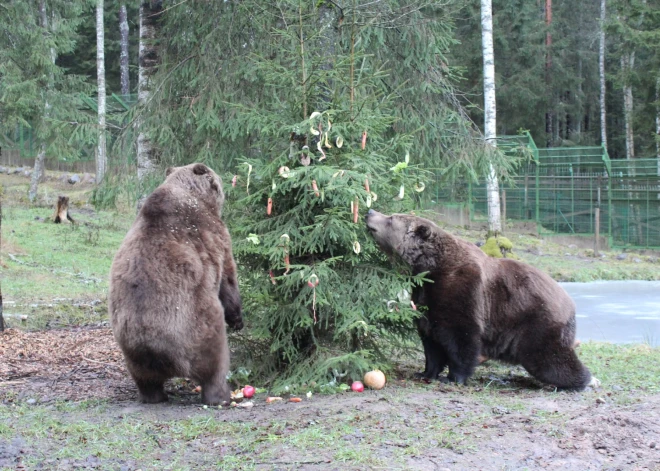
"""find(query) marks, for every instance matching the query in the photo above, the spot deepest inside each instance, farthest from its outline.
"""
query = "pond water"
(617, 311)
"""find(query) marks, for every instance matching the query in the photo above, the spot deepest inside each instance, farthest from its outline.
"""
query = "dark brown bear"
(173, 287)
(480, 307)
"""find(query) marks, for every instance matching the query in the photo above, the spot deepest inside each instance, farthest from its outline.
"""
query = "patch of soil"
(71, 364)
(442, 428)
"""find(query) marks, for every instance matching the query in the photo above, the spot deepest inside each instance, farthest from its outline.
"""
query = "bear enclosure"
(573, 191)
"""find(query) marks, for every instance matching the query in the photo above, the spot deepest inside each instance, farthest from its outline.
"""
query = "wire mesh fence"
(574, 190)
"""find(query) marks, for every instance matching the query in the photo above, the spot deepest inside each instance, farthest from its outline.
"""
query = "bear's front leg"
(436, 360)
(462, 346)
(229, 295)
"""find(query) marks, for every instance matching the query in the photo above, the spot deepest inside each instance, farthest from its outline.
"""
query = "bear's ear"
(200, 169)
(169, 171)
(423, 231)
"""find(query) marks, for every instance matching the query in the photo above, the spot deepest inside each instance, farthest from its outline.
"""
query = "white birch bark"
(39, 170)
(601, 71)
(148, 53)
(101, 157)
(123, 57)
(627, 64)
(490, 123)
(657, 121)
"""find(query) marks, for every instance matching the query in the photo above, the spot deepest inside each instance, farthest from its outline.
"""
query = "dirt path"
(408, 425)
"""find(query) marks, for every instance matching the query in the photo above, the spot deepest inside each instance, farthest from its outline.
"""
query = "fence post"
(597, 221)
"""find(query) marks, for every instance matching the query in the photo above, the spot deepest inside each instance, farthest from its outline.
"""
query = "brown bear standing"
(478, 306)
(173, 286)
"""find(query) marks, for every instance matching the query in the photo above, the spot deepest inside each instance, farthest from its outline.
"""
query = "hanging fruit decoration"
(356, 247)
(320, 148)
(234, 180)
(315, 188)
(312, 129)
(272, 277)
(401, 193)
(305, 157)
(419, 187)
(327, 141)
(247, 187)
(355, 210)
(285, 241)
(284, 172)
(364, 139)
(269, 207)
(339, 142)
(313, 282)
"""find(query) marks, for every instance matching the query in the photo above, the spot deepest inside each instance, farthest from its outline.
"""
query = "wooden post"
(597, 221)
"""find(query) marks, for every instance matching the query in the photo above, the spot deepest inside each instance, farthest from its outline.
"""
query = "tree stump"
(62, 211)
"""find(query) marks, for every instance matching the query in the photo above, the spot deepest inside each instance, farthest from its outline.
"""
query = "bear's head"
(410, 237)
(200, 180)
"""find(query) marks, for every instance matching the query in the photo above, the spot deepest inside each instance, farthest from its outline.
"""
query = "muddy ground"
(68, 403)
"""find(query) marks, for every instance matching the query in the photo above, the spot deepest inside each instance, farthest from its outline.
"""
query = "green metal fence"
(22, 138)
(561, 188)
(635, 202)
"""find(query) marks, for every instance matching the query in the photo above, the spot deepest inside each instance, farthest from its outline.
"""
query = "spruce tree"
(282, 97)
(35, 91)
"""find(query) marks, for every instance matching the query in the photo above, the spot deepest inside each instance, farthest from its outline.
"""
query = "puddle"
(617, 311)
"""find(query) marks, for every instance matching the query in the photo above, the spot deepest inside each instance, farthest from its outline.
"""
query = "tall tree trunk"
(38, 171)
(550, 127)
(490, 111)
(601, 71)
(101, 157)
(657, 125)
(123, 57)
(2, 318)
(150, 13)
(657, 121)
(627, 64)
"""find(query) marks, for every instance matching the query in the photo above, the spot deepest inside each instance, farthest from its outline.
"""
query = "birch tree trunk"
(150, 11)
(627, 64)
(101, 157)
(39, 171)
(550, 125)
(2, 318)
(123, 57)
(657, 121)
(601, 71)
(490, 123)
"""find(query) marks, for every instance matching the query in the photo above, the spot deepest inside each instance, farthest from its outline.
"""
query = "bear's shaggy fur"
(173, 287)
(479, 307)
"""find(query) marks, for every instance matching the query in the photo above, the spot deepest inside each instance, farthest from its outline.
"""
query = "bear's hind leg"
(151, 392)
(559, 367)
(436, 360)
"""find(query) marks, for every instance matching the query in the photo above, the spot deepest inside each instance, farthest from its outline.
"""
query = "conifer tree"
(35, 91)
(311, 107)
